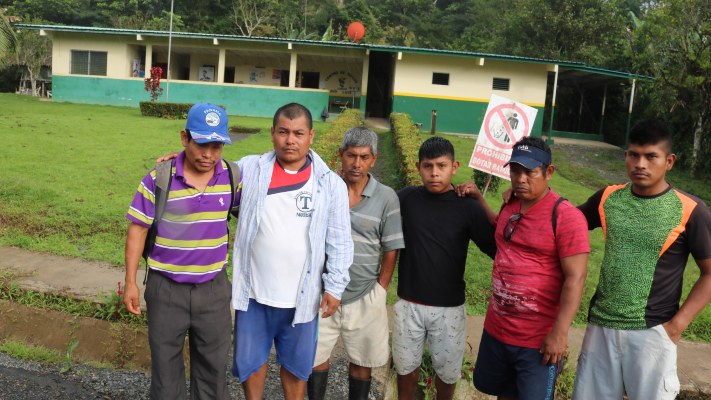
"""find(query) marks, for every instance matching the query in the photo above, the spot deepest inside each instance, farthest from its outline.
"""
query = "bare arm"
(387, 267)
(698, 298)
(471, 190)
(574, 272)
(135, 240)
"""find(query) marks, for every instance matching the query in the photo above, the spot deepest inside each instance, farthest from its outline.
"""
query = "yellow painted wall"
(468, 80)
(118, 60)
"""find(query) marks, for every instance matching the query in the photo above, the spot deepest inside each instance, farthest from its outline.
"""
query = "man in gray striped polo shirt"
(376, 228)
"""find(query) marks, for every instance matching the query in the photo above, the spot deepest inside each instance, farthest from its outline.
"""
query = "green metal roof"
(373, 47)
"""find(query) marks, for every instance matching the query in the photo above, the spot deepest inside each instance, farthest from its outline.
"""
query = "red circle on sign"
(498, 111)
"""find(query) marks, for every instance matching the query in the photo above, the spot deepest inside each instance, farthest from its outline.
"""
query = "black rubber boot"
(316, 386)
(358, 389)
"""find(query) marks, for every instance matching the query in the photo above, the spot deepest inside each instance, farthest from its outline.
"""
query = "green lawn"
(68, 173)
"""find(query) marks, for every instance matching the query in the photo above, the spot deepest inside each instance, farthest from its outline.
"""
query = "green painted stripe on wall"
(239, 100)
(453, 116)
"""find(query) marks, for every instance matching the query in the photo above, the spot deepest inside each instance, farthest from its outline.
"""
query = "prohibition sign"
(498, 113)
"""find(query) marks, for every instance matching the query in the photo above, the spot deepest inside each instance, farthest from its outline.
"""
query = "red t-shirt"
(527, 277)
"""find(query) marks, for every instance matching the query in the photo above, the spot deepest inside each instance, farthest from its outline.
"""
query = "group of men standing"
(315, 251)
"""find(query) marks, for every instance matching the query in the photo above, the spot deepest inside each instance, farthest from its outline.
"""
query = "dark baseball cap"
(530, 157)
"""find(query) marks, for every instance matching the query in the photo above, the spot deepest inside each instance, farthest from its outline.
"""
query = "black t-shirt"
(437, 229)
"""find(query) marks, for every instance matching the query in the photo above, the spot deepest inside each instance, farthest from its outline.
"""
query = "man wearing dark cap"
(537, 280)
(187, 288)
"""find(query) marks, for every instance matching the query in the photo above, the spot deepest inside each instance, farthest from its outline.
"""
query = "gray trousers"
(203, 311)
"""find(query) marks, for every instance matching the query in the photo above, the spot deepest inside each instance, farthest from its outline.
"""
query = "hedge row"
(165, 110)
(407, 141)
(327, 144)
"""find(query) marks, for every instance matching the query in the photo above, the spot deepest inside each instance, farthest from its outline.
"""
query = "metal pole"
(170, 45)
(629, 114)
(602, 113)
(555, 90)
(486, 185)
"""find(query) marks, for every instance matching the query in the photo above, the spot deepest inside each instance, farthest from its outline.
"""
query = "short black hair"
(651, 131)
(293, 111)
(436, 147)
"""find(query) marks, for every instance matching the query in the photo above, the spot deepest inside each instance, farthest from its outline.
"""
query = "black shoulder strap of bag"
(164, 172)
(234, 171)
(554, 216)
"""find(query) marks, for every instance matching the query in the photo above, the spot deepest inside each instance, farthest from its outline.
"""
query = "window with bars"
(87, 62)
(440, 78)
(500, 84)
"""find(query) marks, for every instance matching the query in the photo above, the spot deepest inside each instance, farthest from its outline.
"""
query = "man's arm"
(135, 240)
(698, 298)
(471, 190)
(555, 343)
(387, 267)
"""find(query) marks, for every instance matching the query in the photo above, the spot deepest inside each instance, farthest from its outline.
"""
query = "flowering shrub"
(407, 142)
(327, 144)
(152, 83)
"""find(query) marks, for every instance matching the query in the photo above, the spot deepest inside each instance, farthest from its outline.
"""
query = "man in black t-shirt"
(438, 226)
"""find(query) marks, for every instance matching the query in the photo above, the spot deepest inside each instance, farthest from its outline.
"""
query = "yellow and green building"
(253, 76)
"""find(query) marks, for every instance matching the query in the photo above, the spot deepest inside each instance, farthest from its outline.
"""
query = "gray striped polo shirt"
(376, 227)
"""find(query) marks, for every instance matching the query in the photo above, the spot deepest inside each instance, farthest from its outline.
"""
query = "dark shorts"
(513, 371)
(260, 326)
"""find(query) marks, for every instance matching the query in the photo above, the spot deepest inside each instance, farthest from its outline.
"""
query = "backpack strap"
(554, 216)
(235, 172)
(164, 172)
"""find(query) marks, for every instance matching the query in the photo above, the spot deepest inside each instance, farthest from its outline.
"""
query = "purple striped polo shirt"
(191, 242)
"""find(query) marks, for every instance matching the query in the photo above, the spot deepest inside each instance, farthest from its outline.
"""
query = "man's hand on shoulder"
(167, 157)
(329, 305)
(468, 189)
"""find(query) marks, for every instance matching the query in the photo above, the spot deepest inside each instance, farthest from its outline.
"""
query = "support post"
(629, 114)
(292, 70)
(602, 113)
(221, 66)
(555, 90)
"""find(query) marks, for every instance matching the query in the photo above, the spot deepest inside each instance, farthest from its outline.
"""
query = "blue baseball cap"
(207, 123)
(530, 157)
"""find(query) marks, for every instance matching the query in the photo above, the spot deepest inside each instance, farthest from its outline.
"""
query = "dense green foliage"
(407, 142)
(328, 143)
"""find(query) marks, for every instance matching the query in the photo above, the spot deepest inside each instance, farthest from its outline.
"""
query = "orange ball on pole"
(356, 31)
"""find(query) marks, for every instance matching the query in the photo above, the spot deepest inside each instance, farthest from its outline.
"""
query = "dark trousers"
(203, 311)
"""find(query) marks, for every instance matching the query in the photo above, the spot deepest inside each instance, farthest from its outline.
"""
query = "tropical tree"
(32, 52)
(250, 15)
(675, 47)
(8, 40)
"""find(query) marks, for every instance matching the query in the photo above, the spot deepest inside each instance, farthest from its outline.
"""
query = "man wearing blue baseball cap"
(537, 280)
(187, 288)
